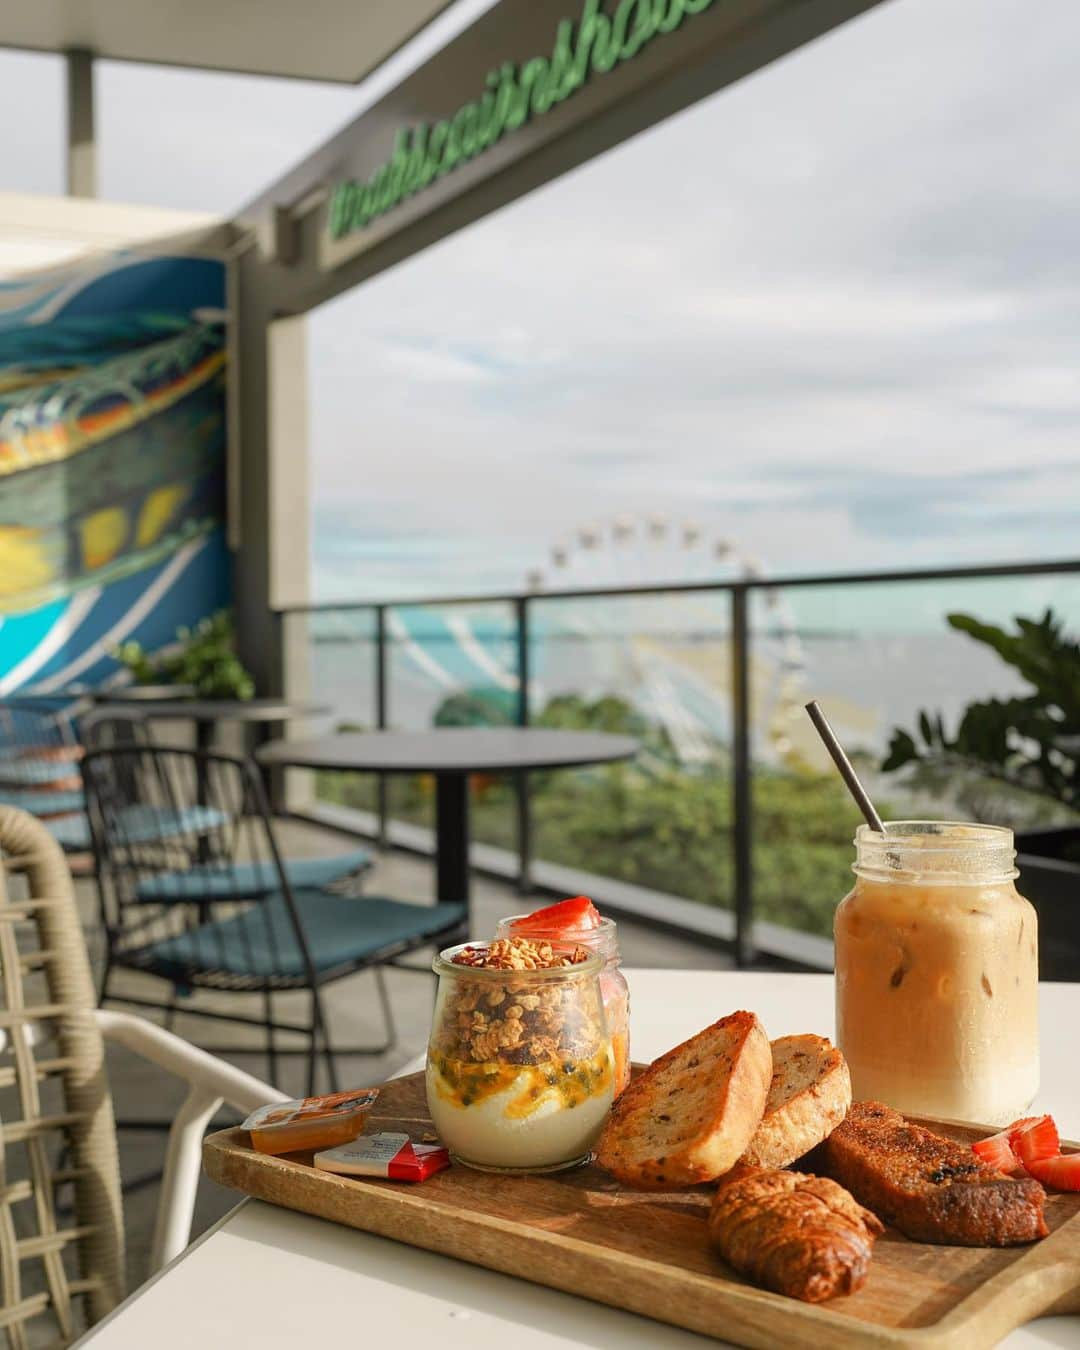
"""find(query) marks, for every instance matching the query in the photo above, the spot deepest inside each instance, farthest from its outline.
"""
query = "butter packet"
(310, 1122)
(385, 1155)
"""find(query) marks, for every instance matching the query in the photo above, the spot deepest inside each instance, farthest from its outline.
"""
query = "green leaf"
(902, 750)
(1011, 740)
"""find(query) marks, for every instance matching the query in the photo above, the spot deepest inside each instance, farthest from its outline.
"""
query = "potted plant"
(204, 659)
(1017, 761)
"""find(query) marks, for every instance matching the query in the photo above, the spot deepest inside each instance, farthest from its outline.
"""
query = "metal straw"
(847, 771)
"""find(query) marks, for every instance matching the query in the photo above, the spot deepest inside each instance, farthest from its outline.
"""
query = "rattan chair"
(59, 1273)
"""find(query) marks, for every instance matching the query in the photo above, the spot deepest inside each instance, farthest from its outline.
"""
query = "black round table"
(206, 713)
(143, 693)
(451, 755)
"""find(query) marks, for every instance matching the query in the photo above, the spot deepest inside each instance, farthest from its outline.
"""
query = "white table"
(274, 1280)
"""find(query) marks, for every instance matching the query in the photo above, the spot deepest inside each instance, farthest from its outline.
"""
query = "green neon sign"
(515, 94)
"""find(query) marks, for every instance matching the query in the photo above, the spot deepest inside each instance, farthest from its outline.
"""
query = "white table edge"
(1026, 1336)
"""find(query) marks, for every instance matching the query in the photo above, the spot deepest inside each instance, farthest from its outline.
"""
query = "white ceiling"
(40, 232)
(339, 40)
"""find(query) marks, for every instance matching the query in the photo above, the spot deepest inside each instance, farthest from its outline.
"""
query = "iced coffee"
(937, 973)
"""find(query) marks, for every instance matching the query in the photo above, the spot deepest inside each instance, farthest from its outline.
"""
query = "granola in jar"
(520, 1064)
(600, 937)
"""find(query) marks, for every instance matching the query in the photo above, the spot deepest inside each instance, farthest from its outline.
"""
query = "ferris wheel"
(670, 654)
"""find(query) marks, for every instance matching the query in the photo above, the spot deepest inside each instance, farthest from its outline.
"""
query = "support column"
(81, 145)
(742, 785)
(249, 486)
(268, 469)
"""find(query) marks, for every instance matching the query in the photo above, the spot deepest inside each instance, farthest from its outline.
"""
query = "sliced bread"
(691, 1114)
(809, 1096)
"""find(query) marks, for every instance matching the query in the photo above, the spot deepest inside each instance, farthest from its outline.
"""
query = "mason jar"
(520, 1069)
(937, 973)
(603, 940)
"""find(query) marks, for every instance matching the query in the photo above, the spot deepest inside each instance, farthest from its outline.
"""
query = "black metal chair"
(213, 906)
(112, 728)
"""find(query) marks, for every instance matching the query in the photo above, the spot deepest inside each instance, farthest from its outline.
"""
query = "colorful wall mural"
(112, 462)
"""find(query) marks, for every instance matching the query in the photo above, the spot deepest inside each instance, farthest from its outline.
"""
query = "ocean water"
(869, 682)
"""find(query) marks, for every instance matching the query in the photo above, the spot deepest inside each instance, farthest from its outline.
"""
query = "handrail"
(764, 583)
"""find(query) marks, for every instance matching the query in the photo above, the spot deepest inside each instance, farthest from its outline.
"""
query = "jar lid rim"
(950, 835)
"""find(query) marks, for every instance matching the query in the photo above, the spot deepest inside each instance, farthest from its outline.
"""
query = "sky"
(827, 316)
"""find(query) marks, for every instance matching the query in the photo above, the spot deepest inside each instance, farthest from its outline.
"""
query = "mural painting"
(112, 462)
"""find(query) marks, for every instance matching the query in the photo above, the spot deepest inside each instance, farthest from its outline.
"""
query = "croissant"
(799, 1235)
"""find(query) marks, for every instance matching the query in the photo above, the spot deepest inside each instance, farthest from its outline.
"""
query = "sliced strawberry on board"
(1034, 1140)
(1062, 1172)
(565, 916)
(1022, 1124)
(996, 1152)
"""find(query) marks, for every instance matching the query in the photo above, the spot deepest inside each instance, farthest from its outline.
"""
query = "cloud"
(857, 266)
(829, 313)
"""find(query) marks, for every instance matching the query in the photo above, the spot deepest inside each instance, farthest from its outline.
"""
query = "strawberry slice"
(566, 916)
(1022, 1124)
(997, 1152)
(1034, 1140)
(1062, 1172)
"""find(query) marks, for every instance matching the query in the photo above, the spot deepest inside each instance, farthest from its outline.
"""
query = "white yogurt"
(495, 1132)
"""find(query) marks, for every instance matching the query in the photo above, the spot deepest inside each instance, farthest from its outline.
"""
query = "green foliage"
(572, 712)
(670, 833)
(486, 707)
(1013, 741)
(674, 833)
(207, 661)
(653, 823)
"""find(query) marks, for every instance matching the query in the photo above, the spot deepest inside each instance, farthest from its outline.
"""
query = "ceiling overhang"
(341, 41)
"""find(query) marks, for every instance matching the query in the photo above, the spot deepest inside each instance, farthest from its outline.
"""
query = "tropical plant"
(1021, 742)
(480, 707)
(206, 660)
(572, 712)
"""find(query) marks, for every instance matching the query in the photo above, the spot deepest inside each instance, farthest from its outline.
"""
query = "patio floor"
(141, 1091)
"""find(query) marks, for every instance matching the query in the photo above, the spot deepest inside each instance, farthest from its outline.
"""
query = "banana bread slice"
(931, 1188)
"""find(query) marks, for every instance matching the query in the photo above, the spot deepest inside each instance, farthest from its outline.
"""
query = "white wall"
(38, 232)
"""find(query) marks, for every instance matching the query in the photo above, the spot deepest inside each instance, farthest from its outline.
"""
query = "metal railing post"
(742, 785)
(380, 712)
(521, 778)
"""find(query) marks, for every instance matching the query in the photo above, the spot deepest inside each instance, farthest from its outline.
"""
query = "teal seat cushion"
(42, 803)
(72, 833)
(249, 881)
(341, 931)
(30, 772)
(139, 825)
(148, 824)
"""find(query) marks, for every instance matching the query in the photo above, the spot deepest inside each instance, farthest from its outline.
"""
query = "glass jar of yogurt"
(937, 973)
(604, 940)
(520, 1069)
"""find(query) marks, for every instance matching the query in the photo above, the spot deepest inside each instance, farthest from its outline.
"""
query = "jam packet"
(385, 1155)
(310, 1122)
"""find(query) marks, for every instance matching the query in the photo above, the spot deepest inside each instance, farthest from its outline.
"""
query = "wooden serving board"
(579, 1231)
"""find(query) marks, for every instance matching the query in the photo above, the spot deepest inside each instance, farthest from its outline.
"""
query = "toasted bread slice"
(691, 1114)
(809, 1096)
(931, 1187)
